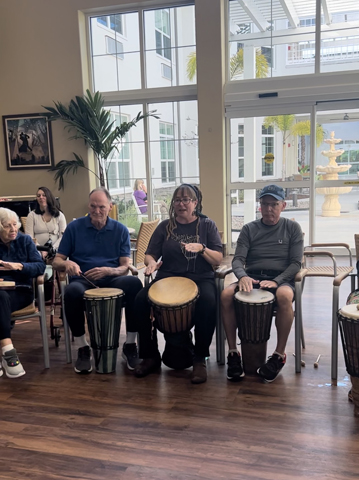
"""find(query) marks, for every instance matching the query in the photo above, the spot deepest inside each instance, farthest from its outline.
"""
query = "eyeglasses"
(270, 205)
(184, 200)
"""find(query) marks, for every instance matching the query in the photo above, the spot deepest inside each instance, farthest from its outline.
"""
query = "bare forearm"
(212, 256)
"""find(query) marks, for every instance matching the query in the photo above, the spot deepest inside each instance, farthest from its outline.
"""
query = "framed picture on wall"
(28, 141)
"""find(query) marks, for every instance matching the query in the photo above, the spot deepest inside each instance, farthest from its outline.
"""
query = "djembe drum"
(173, 301)
(348, 318)
(7, 285)
(254, 312)
(104, 311)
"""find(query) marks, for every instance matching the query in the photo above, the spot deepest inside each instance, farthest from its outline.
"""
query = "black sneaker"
(130, 355)
(235, 368)
(270, 370)
(83, 363)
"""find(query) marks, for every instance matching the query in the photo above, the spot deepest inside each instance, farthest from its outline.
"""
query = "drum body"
(104, 311)
(254, 312)
(348, 319)
(173, 302)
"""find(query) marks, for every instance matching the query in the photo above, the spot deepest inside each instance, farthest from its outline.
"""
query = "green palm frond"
(191, 68)
(64, 167)
(87, 119)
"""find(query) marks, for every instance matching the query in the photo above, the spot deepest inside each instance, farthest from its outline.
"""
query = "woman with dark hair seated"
(19, 263)
(46, 223)
(189, 245)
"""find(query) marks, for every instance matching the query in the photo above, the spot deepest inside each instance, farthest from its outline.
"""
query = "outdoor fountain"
(331, 205)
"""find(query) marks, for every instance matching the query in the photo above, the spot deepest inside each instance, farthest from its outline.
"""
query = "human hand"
(152, 267)
(10, 265)
(192, 247)
(245, 284)
(268, 284)
(100, 272)
(71, 268)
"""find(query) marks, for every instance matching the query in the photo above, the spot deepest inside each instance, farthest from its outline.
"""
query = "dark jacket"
(21, 250)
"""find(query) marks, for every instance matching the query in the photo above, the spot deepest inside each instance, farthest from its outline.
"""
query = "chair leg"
(43, 326)
(220, 336)
(335, 333)
(66, 326)
(298, 327)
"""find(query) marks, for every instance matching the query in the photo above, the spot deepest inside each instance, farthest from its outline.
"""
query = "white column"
(250, 167)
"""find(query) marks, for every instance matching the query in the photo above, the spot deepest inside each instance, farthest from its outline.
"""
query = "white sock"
(280, 354)
(233, 350)
(131, 337)
(6, 348)
(81, 341)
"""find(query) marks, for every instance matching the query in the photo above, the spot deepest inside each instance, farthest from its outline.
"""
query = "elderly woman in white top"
(46, 222)
(20, 262)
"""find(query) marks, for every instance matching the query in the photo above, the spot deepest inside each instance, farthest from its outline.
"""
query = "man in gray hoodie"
(268, 255)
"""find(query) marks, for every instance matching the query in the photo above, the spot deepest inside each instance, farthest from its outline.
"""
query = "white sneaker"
(12, 365)
(1, 372)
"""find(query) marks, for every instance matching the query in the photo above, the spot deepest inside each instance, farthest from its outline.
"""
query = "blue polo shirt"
(89, 248)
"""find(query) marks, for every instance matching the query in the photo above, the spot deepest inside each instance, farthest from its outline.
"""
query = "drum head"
(173, 291)
(350, 311)
(254, 296)
(8, 285)
(103, 292)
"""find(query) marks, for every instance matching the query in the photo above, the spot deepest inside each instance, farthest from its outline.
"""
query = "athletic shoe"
(235, 368)
(130, 355)
(83, 363)
(1, 371)
(271, 369)
(12, 365)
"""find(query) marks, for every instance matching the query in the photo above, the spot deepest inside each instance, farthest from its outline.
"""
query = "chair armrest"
(344, 245)
(222, 272)
(62, 276)
(339, 278)
(300, 275)
(323, 253)
(40, 280)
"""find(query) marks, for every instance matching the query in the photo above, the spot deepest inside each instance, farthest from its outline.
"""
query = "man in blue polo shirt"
(98, 248)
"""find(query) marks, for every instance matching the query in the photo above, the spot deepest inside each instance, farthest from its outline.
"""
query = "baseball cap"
(273, 190)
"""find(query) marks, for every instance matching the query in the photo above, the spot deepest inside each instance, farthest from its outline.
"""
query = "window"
(166, 71)
(168, 170)
(240, 151)
(163, 33)
(267, 147)
(114, 47)
(115, 22)
(119, 168)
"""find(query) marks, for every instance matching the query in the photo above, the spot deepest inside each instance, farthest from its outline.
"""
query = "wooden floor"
(55, 424)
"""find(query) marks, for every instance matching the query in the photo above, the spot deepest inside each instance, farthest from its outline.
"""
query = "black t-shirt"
(178, 262)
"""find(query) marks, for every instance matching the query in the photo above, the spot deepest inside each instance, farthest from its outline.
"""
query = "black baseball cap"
(273, 190)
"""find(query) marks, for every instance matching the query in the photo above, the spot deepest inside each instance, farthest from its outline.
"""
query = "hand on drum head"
(268, 284)
(245, 284)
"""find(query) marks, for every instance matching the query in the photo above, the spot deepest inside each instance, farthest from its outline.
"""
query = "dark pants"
(204, 320)
(10, 301)
(74, 304)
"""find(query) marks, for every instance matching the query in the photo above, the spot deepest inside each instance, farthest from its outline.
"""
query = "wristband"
(203, 249)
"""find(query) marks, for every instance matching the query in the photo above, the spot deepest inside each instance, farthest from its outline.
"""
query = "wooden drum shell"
(254, 313)
(173, 302)
(104, 311)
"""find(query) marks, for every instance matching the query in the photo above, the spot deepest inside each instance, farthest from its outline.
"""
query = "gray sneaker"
(1, 371)
(12, 365)
(83, 363)
(130, 355)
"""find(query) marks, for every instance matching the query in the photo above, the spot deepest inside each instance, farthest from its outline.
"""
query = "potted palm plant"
(87, 119)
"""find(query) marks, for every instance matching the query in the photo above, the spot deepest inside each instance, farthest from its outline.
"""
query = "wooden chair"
(338, 274)
(23, 222)
(141, 242)
(356, 274)
(32, 312)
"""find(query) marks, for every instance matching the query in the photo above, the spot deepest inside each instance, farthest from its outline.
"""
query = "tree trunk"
(302, 151)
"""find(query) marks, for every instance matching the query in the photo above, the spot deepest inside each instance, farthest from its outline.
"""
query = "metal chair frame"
(41, 314)
(339, 274)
